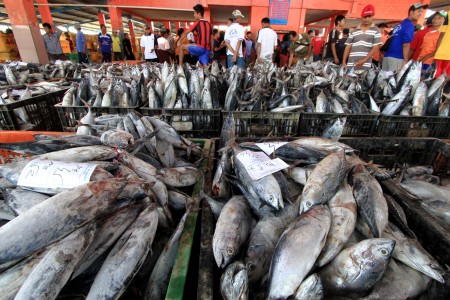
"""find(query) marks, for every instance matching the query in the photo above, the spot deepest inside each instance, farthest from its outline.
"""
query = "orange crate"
(11, 137)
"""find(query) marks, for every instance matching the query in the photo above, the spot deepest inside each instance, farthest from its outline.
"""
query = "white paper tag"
(270, 147)
(47, 175)
(259, 165)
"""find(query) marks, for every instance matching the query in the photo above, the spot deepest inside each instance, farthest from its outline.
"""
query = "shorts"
(202, 53)
(392, 64)
(441, 67)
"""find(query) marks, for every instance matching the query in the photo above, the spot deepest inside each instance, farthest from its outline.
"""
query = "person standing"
(204, 48)
(300, 49)
(67, 35)
(416, 43)
(340, 44)
(81, 45)
(249, 48)
(284, 50)
(117, 46)
(234, 36)
(317, 41)
(148, 45)
(362, 42)
(178, 48)
(402, 35)
(442, 56)
(429, 45)
(266, 43)
(171, 41)
(218, 45)
(105, 44)
(377, 56)
(127, 49)
(333, 37)
(52, 44)
(163, 48)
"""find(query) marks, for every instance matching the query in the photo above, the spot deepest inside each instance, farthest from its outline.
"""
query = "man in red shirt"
(318, 41)
(204, 47)
(416, 44)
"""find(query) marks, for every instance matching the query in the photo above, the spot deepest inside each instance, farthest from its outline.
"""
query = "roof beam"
(63, 9)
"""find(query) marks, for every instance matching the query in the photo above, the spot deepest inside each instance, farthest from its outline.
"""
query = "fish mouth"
(434, 272)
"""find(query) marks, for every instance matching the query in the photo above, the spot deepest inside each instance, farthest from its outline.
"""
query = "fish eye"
(251, 267)
(308, 204)
(230, 251)
(384, 251)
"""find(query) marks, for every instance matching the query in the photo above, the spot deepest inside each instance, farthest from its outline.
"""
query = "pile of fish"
(326, 88)
(116, 235)
(321, 228)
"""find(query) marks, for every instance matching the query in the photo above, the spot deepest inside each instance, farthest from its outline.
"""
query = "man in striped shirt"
(362, 42)
(204, 47)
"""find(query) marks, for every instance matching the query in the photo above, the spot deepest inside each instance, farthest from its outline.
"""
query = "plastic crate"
(70, 115)
(40, 111)
(404, 126)
(260, 124)
(196, 123)
(314, 124)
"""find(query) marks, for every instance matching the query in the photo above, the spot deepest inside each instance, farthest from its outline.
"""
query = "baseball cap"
(77, 26)
(147, 26)
(369, 10)
(317, 32)
(443, 13)
(237, 13)
(417, 6)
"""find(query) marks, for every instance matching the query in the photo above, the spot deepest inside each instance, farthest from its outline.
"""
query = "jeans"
(317, 57)
(82, 58)
(239, 62)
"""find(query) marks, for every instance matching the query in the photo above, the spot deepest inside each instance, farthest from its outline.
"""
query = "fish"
(310, 289)
(232, 230)
(324, 182)
(20, 200)
(335, 129)
(357, 268)
(420, 100)
(308, 232)
(234, 282)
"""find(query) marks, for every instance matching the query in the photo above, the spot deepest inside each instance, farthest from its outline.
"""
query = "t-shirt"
(204, 32)
(318, 43)
(248, 47)
(105, 42)
(300, 47)
(52, 43)
(417, 41)
(148, 42)
(190, 37)
(362, 42)
(216, 53)
(340, 48)
(444, 49)
(268, 40)
(429, 46)
(285, 47)
(116, 44)
(80, 41)
(234, 34)
(163, 44)
(403, 33)
(171, 41)
(333, 37)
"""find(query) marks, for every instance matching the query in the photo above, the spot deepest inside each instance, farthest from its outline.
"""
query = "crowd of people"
(359, 47)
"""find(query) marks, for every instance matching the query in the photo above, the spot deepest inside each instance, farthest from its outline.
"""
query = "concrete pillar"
(166, 25)
(116, 18)
(26, 31)
(302, 19)
(132, 36)
(101, 18)
(44, 11)
(177, 26)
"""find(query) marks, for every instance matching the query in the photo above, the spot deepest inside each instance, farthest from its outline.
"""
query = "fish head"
(224, 253)
(381, 249)
(305, 205)
(234, 282)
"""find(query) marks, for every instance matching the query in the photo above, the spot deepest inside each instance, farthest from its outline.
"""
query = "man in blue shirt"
(398, 53)
(81, 45)
(105, 44)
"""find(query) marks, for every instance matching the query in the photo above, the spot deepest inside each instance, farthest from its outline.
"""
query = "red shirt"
(318, 43)
(417, 41)
(204, 32)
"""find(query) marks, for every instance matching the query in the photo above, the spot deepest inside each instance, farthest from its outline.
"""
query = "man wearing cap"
(117, 50)
(317, 42)
(148, 45)
(417, 41)
(105, 44)
(402, 35)
(428, 48)
(234, 36)
(204, 47)
(442, 56)
(81, 45)
(266, 42)
(362, 42)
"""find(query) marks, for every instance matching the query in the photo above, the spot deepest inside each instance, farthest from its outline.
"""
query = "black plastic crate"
(314, 124)
(70, 115)
(405, 126)
(40, 111)
(198, 123)
(260, 124)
